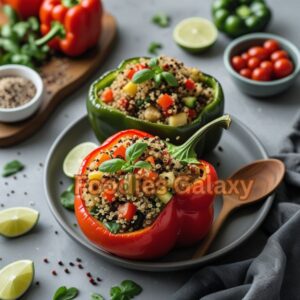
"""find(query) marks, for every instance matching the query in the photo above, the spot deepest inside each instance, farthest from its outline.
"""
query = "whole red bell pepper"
(26, 8)
(71, 26)
(185, 220)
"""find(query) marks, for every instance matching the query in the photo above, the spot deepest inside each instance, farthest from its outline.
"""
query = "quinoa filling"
(159, 90)
(127, 195)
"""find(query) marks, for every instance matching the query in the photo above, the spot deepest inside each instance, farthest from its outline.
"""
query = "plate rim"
(153, 266)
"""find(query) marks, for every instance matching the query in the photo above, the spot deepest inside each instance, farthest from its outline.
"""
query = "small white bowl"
(23, 112)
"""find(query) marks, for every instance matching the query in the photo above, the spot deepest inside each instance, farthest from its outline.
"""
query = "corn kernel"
(130, 88)
(95, 175)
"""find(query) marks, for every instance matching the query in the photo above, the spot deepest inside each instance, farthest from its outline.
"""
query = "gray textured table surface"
(269, 119)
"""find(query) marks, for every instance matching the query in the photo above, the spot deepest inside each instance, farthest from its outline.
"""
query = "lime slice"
(17, 221)
(16, 279)
(195, 34)
(75, 157)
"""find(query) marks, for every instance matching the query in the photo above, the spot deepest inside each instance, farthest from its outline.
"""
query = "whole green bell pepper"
(238, 17)
(106, 120)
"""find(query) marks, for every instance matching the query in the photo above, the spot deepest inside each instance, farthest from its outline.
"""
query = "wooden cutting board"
(61, 76)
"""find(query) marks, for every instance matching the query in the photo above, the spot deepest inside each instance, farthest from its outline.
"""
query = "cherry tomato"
(279, 54)
(271, 46)
(245, 56)
(238, 63)
(260, 74)
(189, 84)
(253, 63)
(259, 52)
(246, 73)
(127, 211)
(283, 67)
(267, 65)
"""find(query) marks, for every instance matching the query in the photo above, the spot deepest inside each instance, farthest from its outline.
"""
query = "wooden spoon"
(264, 175)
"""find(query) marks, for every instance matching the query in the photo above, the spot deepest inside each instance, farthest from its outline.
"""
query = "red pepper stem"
(186, 152)
(57, 30)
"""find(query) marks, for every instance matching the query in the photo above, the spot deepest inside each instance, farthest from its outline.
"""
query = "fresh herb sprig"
(129, 164)
(17, 41)
(64, 293)
(127, 290)
(161, 20)
(12, 168)
(156, 73)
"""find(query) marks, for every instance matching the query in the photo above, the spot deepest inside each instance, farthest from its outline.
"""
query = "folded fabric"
(275, 272)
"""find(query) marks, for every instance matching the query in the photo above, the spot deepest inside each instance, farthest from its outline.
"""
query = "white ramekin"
(23, 112)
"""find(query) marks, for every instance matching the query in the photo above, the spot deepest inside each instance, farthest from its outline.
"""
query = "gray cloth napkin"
(275, 272)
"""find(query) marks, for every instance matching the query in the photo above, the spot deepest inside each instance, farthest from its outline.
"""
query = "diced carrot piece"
(130, 73)
(120, 152)
(107, 96)
(165, 101)
(151, 160)
(108, 196)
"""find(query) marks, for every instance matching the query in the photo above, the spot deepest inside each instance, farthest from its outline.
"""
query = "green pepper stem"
(186, 151)
(57, 30)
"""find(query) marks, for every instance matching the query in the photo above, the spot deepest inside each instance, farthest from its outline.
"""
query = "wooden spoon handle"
(227, 208)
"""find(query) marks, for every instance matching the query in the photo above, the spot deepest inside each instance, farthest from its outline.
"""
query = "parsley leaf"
(95, 296)
(154, 47)
(67, 198)
(112, 165)
(161, 19)
(127, 290)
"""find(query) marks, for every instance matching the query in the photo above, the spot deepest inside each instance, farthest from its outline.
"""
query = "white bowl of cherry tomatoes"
(262, 64)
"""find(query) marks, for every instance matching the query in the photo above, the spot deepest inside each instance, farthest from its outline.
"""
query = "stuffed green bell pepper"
(238, 17)
(161, 96)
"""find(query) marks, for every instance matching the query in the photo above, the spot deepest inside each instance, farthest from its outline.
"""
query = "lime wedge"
(16, 279)
(195, 34)
(75, 157)
(17, 221)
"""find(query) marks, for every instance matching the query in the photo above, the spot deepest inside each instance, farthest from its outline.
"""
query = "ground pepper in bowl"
(15, 91)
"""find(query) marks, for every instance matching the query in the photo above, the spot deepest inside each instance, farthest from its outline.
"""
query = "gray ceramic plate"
(239, 146)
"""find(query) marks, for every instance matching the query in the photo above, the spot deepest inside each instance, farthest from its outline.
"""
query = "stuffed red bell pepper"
(71, 26)
(138, 196)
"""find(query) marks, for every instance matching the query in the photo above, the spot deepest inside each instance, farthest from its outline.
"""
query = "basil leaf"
(135, 151)
(157, 78)
(60, 293)
(67, 198)
(142, 76)
(112, 226)
(12, 168)
(161, 20)
(153, 62)
(169, 78)
(112, 165)
(97, 297)
(71, 293)
(154, 47)
(142, 165)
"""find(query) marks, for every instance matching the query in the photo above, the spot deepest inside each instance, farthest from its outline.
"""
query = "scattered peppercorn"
(54, 273)
(220, 149)
(71, 264)
(99, 279)
(78, 260)
(60, 263)
(80, 266)
(67, 271)
(46, 261)
(89, 274)
(92, 281)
